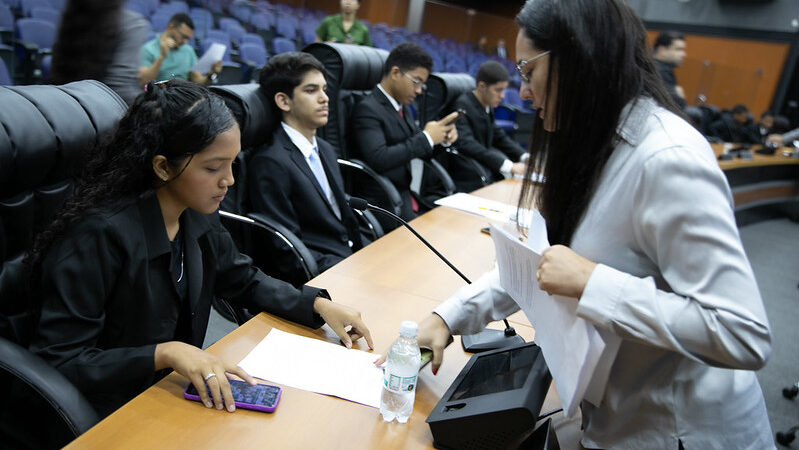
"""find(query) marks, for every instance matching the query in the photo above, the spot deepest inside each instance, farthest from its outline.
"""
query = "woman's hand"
(433, 334)
(563, 272)
(197, 365)
(339, 317)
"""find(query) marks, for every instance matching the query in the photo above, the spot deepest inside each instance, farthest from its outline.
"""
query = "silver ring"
(209, 376)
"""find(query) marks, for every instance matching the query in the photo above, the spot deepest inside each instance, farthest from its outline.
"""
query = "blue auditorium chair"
(254, 57)
(159, 20)
(283, 45)
(286, 26)
(37, 31)
(49, 14)
(227, 22)
(27, 6)
(252, 38)
(6, 24)
(5, 75)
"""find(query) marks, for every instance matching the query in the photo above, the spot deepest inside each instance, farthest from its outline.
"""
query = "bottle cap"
(408, 328)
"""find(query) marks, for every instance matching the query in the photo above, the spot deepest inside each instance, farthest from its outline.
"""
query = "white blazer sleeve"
(683, 221)
(475, 305)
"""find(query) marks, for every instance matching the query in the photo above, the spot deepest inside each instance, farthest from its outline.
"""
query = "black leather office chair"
(270, 245)
(45, 132)
(443, 89)
(352, 72)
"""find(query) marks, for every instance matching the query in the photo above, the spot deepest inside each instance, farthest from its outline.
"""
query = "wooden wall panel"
(447, 21)
(730, 71)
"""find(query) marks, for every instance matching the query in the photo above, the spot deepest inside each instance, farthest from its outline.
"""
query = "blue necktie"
(321, 178)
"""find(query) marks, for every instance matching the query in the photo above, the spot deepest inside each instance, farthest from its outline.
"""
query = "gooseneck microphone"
(482, 343)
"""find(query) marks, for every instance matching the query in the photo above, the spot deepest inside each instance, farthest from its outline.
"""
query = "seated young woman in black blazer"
(129, 267)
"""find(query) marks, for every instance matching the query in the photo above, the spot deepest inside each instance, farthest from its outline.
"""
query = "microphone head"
(358, 203)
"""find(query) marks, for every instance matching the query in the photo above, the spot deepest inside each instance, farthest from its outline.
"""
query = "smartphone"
(461, 112)
(261, 397)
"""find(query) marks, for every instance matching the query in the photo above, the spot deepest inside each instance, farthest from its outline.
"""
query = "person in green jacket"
(344, 27)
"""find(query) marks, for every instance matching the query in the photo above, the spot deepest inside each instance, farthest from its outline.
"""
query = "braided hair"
(176, 119)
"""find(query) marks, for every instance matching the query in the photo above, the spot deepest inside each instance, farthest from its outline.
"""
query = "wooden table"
(393, 279)
(764, 186)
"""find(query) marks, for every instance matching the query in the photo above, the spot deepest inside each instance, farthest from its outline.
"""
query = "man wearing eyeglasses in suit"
(386, 136)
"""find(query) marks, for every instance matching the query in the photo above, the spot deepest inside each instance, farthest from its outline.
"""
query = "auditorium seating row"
(31, 25)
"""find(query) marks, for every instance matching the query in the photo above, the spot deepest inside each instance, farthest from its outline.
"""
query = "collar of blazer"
(406, 119)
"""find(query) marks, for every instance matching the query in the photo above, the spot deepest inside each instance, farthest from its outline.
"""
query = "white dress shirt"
(673, 281)
(307, 147)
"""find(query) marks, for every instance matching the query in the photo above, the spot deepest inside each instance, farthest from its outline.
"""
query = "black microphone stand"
(485, 340)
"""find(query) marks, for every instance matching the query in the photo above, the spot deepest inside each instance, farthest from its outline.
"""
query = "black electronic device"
(494, 402)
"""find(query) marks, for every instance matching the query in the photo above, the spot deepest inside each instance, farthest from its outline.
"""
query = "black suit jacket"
(282, 186)
(481, 138)
(728, 130)
(666, 72)
(108, 297)
(387, 143)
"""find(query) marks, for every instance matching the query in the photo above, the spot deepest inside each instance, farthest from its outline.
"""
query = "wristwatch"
(212, 76)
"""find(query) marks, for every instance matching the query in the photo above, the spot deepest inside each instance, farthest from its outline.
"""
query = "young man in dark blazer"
(295, 179)
(479, 136)
(386, 136)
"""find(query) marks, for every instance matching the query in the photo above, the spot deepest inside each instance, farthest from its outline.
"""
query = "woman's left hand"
(563, 272)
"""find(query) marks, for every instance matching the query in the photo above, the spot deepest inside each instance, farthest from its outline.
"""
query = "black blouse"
(108, 296)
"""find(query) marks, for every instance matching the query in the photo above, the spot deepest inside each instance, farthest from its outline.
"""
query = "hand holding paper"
(577, 355)
(563, 272)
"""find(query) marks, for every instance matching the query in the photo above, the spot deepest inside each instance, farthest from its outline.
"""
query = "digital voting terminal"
(494, 402)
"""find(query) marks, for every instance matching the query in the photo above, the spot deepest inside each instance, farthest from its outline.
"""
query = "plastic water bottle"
(400, 375)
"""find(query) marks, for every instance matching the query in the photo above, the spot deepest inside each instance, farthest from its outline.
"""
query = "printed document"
(214, 54)
(316, 366)
(579, 358)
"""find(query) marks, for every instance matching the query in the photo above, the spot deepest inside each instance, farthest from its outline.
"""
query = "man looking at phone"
(386, 136)
(480, 137)
(168, 56)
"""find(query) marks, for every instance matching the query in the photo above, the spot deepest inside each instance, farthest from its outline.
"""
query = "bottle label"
(398, 384)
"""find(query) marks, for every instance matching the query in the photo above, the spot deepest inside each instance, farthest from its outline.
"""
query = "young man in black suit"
(386, 136)
(295, 179)
(479, 137)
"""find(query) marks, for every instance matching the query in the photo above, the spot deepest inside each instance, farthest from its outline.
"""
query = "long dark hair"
(599, 63)
(176, 119)
(87, 38)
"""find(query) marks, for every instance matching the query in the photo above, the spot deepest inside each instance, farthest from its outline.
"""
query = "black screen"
(500, 372)
(259, 395)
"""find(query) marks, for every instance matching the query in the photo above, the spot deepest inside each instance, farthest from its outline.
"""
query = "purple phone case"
(242, 405)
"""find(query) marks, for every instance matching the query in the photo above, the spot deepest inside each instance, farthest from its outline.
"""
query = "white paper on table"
(316, 366)
(477, 205)
(211, 56)
(572, 347)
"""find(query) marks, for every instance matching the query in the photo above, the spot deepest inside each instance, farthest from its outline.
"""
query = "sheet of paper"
(572, 347)
(490, 209)
(214, 53)
(316, 366)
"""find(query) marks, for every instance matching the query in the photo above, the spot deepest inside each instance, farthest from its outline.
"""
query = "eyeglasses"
(416, 82)
(523, 64)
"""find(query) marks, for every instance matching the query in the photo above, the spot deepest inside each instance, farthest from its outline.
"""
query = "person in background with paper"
(169, 56)
(127, 269)
(644, 240)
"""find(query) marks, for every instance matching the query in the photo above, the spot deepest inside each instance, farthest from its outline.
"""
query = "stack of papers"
(316, 366)
(490, 209)
(579, 358)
